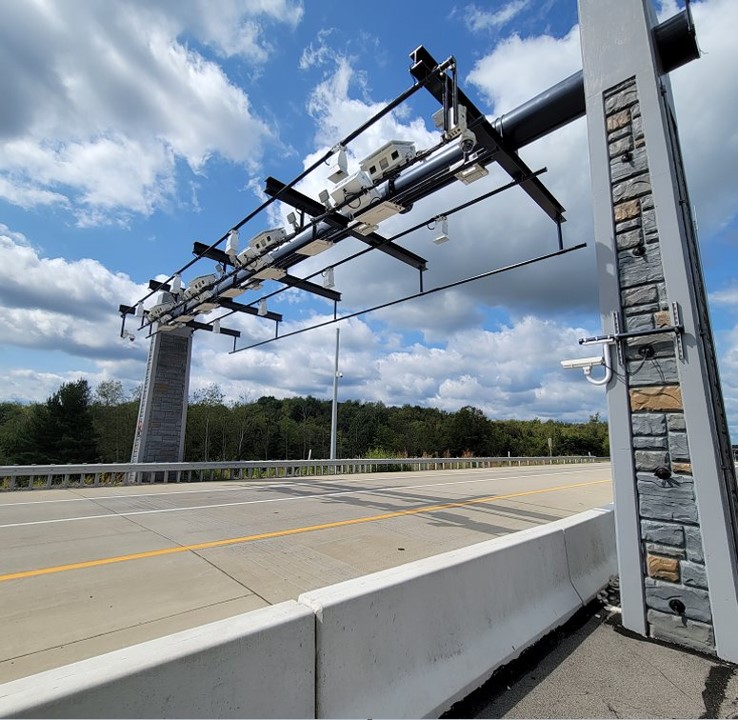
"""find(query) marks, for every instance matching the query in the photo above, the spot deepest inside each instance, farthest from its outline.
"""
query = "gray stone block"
(621, 169)
(628, 240)
(648, 424)
(616, 148)
(636, 126)
(666, 550)
(678, 446)
(639, 270)
(632, 188)
(642, 309)
(639, 321)
(644, 295)
(671, 628)
(648, 224)
(647, 203)
(675, 421)
(615, 135)
(677, 486)
(649, 442)
(628, 225)
(664, 533)
(621, 100)
(661, 345)
(658, 507)
(647, 460)
(696, 601)
(693, 538)
(693, 574)
(654, 371)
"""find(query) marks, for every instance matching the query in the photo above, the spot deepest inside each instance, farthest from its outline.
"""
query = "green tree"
(114, 418)
(61, 431)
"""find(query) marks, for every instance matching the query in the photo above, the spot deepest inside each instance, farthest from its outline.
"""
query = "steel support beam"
(291, 280)
(675, 43)
(490, 139)
(311, 207)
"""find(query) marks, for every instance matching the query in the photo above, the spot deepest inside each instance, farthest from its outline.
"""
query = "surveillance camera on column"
(582, 363)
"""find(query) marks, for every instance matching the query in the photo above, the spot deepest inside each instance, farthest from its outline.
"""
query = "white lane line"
(374, 491)
(257, 485)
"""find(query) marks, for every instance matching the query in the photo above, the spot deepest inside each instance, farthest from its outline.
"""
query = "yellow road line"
(283, 533)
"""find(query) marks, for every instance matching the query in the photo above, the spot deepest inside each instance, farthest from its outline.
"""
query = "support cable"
(448, 286)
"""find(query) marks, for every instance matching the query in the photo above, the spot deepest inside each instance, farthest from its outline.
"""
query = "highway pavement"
(89, 570)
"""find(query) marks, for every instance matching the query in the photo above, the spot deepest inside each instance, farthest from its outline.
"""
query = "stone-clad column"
(675, 493)
(162, 413)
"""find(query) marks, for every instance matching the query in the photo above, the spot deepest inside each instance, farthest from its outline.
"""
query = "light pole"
(334, 412)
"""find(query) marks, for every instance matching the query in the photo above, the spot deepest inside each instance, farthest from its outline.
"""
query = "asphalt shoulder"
(592, 667)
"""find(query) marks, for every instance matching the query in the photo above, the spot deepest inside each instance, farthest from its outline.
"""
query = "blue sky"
(131, 129)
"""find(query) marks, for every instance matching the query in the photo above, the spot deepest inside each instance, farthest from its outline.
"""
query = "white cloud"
(100, 100)
(52, 304)
(480, 20)
(727, 297)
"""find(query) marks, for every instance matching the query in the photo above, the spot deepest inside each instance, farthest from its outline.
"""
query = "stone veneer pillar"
(162, 414)
(674, 480)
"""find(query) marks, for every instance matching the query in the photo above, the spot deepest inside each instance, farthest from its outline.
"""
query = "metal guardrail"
(40, 477)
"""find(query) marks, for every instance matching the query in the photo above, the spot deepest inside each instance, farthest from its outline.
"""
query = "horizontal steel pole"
(676, 44)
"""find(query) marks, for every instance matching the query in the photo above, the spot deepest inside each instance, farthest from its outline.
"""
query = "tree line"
(77, 424)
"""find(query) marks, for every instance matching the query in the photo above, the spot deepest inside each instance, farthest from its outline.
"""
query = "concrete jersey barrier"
(259, 664)
(404, 642)
(411, 641)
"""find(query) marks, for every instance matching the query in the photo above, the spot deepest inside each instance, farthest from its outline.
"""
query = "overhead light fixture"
(216, 326)
(262, 307)
(233, 292)
(292, 220)
(328, 280)
(472, 174)
(340, 170)
(205, 307)
(325, 197)
(128, 335)
(270, 273)
(315, 247)
(220, 267)
(376, 213)
(140, 310)
(232, 244)
(365, 228)
(443, 236)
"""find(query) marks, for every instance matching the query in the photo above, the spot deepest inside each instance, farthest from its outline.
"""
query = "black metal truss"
(305, 204)
(219, 256)
(439, 86)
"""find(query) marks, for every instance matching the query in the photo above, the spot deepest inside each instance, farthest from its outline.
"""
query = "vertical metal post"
(334, 411)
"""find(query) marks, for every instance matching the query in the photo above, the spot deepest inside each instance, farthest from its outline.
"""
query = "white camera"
(582, 363)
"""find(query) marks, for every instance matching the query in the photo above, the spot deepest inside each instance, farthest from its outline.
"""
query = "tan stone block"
(660, 398)
(627, 210)
(618, 120)
(662, 318)
(682, 468)
(663, 568)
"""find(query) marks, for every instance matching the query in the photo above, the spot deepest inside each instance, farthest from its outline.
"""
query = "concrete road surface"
(85, 571)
